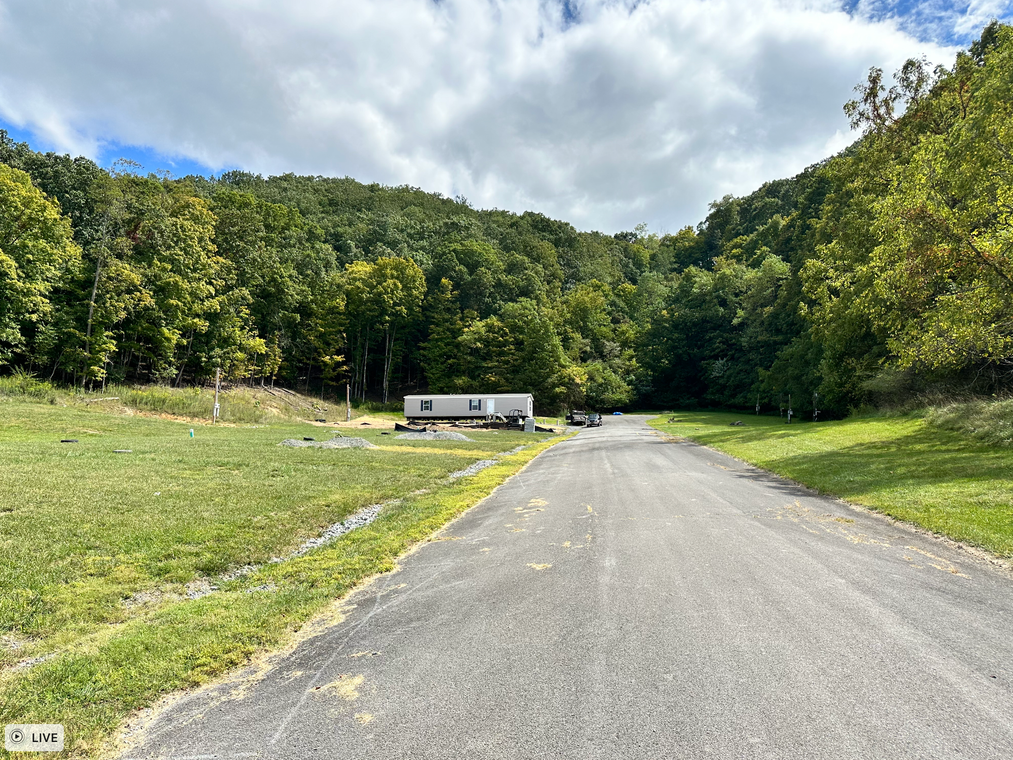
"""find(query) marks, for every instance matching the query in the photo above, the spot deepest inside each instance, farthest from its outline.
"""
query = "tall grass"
(237, 405)
(987, 420)
(25, 386)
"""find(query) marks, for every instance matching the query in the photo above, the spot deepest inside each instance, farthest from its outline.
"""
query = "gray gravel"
(364, 516)
(333, 443)
(204, 586)
(32, 661)
(473, 469)
(477, 467)
(514, 450)
(437, 436)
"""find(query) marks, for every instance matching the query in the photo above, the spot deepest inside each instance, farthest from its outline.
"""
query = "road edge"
(978, 553)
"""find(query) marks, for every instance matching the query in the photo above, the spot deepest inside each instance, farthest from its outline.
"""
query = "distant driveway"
(628, 597)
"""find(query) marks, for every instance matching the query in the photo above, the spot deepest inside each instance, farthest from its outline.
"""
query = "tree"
(441, 353)
(384, 296)
(37, 253)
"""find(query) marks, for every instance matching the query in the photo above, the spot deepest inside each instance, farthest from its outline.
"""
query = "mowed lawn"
(99, 550)
(901, 466)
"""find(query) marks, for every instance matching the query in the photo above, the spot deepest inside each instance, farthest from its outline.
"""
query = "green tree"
(441, 353)
(37, 252)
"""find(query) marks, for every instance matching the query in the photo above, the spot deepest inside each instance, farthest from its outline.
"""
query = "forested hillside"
(883, 271)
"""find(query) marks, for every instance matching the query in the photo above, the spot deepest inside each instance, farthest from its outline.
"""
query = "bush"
(23, 385)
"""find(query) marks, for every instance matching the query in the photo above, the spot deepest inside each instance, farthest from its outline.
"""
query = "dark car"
(594, 419)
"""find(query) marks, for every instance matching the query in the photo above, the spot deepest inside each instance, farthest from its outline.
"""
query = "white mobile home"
(465, 406)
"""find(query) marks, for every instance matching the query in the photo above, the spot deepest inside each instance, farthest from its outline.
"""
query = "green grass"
(97, 548)
(901, 466)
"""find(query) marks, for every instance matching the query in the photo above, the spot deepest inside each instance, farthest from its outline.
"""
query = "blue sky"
(950, 23)
(607, 113)
(150, 159)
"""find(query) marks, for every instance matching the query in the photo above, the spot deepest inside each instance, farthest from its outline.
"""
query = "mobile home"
(465, 406)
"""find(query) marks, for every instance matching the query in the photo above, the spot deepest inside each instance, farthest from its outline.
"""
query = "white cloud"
(638, 111)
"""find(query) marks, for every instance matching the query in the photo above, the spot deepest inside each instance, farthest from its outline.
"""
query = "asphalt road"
(628, 597)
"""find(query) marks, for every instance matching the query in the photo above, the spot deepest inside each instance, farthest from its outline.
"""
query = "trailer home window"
(427, 405)
(475, 405)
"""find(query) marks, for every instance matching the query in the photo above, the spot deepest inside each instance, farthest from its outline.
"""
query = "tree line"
(883, 271)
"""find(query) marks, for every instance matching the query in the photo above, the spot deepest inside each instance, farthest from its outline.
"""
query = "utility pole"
(348, 402)
(218, 383)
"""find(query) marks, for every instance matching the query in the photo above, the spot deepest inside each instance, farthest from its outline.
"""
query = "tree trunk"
(56, 366)
(386, 362)
(91, 313)
(182, 365)
(365, 363)
(358, 362)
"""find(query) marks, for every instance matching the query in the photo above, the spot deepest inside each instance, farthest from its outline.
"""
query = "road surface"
(630, 597)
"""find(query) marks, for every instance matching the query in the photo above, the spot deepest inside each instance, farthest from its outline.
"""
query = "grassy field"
(903, 466)
(101, 551)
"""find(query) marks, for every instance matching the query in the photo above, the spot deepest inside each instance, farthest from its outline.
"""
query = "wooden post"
(218, 382)
(348, 402)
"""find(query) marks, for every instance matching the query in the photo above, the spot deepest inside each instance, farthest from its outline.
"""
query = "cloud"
(603, 112)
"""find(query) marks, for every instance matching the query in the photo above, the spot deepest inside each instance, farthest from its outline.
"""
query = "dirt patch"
(346, 687)
(366, 421)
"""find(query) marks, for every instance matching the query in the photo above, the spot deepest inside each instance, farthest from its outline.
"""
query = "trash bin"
(529, 424)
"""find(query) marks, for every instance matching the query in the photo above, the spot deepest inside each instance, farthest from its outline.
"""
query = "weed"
(23, 385)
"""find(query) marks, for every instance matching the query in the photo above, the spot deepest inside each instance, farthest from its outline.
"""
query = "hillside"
(882, 272)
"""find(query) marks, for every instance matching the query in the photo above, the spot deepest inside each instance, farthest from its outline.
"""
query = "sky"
(605, 113)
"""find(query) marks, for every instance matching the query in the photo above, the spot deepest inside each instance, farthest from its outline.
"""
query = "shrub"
(21, 384)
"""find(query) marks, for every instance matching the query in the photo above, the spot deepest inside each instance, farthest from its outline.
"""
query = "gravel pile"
(334, 443)
(473, 469)
(437, 436)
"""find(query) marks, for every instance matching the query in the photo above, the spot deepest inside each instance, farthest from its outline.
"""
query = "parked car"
(576, 417)
(594, 419)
